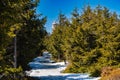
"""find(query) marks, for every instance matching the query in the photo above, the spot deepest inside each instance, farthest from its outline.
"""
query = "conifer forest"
(89, 40)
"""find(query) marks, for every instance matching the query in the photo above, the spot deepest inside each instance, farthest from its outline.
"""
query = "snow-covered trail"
(52, 71)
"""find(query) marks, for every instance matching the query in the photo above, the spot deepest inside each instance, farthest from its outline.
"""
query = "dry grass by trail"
(109, 73)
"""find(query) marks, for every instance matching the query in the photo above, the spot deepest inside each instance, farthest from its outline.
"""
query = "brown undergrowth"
(109, 73)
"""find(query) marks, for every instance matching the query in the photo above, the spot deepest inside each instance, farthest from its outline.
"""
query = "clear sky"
(51, 8)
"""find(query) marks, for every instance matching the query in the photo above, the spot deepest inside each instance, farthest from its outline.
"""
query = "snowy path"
(52, 71)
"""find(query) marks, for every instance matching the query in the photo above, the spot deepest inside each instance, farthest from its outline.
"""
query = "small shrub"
(70, 69)
(82, 70)
(95, 73)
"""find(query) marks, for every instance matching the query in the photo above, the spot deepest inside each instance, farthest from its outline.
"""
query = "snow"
(52, 71)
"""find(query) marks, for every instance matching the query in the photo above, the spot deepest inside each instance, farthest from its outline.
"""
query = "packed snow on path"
(52, 71)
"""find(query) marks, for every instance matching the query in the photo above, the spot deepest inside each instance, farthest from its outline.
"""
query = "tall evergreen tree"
(56, 38)
(18, 20)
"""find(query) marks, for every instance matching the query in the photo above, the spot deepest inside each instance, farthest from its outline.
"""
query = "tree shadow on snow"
(66, 77)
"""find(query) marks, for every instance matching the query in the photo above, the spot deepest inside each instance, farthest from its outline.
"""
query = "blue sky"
(51, 8)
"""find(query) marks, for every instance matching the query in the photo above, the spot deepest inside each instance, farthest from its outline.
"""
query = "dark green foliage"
(95, 73)
(30, 40)
(18, 19)
(89, 41)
